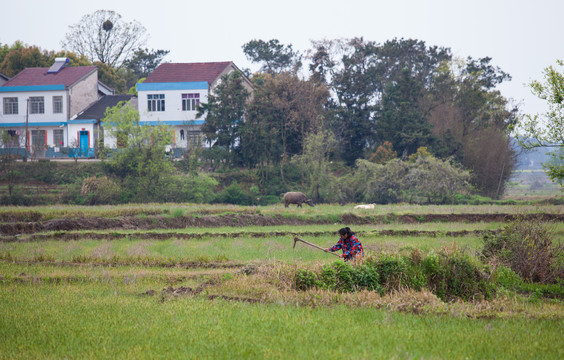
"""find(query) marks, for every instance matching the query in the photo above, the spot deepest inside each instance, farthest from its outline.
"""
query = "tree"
(315, 160)
(142, 63)
(472, 118)
(274, 56)
(360, 73)
(547, 130)
(10, 144)
(111, 77)
(20, 56)
(384, 153)
(105, 37)
(403, 119)
(140, 162)
(224, 112)
(355, 88)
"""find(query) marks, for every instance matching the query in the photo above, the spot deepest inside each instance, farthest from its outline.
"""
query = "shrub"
(100, 190)
(526, 246)
(449, 276)
(234, 194)
(508, 279)
(305, 279)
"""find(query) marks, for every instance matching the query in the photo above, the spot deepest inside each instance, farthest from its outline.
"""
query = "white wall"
(47, 116)
(73, 130)
(173, 105)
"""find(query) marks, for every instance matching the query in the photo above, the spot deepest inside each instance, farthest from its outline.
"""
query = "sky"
(522, 37)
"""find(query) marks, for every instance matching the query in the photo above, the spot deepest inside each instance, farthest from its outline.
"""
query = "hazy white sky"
(521, 36)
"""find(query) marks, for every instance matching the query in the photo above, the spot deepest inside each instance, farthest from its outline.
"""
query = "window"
(37, 105)
(13, 139)
(58, 139)
(156, 102)
(57, 104)
(190, 101)
(194, 138)
(10, 106)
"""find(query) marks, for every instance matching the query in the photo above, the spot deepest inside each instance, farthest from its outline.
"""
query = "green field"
(227, 292)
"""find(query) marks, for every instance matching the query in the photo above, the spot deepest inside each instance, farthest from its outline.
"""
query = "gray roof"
(98, 109)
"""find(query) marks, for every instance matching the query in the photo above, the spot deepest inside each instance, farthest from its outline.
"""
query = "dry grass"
(273, 283)
(103, 251)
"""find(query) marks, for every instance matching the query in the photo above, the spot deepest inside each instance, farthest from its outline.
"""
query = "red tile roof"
(38, 76)
(187, 72)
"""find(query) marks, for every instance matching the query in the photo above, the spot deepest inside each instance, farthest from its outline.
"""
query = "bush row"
(447, 276)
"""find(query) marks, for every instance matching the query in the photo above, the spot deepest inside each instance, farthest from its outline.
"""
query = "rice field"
(224, 292)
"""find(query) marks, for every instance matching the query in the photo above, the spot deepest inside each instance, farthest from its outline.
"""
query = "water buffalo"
(297, 198)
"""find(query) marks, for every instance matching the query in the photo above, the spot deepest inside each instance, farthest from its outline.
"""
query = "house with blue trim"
(172, 93)
(39, 107)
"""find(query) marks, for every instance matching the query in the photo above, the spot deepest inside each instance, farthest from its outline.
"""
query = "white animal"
(368, 206)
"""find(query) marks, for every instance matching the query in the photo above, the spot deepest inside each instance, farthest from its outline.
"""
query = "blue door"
(84, 143)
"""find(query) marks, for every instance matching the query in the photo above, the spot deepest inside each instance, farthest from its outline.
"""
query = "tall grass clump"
(449, 275)
(526, 246)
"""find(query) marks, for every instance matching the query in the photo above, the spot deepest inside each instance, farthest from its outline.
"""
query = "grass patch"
(110, 321)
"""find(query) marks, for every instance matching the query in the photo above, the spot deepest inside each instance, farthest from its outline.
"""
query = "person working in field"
(349, 243)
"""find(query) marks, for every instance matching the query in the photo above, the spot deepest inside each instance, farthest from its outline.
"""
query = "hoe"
(296, 239)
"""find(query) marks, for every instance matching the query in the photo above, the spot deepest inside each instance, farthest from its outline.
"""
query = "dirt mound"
(241, 220)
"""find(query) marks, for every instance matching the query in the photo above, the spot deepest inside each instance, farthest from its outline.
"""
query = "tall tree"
(20, 56)
(403, 119)
(286, 109)
(273, 56)
(472, 118)
(224, 112)
(547, 129)
(314, 161)
(103, 36)
(145, 61)
(349, 67)
(422, 61)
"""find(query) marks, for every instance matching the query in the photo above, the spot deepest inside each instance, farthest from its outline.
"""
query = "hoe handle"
(315, 246)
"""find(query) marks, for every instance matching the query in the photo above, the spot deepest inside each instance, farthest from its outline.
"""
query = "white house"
(41, 102)
(171, 94)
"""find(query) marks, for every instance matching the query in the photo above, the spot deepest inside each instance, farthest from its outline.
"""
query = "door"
(84, 143)
(38, 143)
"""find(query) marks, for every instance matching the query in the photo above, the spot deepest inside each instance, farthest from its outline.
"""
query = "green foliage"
(234, 194)
(541, 130)
(305, 279)
(141, 163)
(195, 188)
(283, 111)
(427, 180)
(274, 56)
(508, 279)
(100, 190)
(449, 276)
(526, 246)
(144, 61)
(315, 159)
(21, 56)
(225, 111)
(403, 115)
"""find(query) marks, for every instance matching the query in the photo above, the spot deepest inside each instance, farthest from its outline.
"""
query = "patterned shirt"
(351, 247)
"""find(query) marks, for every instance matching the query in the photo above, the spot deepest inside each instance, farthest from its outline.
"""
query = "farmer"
(352, 248)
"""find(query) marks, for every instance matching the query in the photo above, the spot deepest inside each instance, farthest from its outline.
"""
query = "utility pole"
(26, 126)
